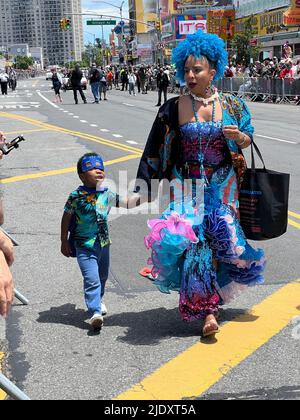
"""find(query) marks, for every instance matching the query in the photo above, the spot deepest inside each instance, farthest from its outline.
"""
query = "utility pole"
(159, 36)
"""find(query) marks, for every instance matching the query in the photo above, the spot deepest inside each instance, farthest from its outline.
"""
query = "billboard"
(292, 15)
(147, 11)
(222, 23)
(188, 24)
(254, 7)
(209, 3)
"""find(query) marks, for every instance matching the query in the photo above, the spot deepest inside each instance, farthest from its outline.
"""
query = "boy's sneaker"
(103, 309)
(96, 321)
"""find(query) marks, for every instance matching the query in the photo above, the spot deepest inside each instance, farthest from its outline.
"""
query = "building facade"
(36, 23)
(267, 21)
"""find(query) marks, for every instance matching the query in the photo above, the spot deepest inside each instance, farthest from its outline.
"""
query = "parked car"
(67, 83)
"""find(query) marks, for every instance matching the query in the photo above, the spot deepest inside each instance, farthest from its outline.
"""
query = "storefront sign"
(144, 50)
(265, 23)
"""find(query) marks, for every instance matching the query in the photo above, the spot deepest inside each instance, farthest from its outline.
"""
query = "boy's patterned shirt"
(90, 210)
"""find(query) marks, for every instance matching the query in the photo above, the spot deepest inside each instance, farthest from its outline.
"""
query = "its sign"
(189, 27)
(187, 24)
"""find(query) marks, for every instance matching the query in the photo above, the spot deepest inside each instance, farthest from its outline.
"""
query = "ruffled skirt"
(209, 263)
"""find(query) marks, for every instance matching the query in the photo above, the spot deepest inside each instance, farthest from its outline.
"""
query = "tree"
(23, 62)
(241, 43)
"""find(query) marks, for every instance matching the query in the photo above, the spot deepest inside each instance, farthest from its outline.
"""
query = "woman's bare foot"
(211, 326)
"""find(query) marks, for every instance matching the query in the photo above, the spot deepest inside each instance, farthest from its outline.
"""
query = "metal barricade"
(259, 89)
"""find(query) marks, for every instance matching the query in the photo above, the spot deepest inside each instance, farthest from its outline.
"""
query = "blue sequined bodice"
(215, 152)
(214, 147)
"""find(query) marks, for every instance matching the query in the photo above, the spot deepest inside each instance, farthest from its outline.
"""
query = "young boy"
(87, 211)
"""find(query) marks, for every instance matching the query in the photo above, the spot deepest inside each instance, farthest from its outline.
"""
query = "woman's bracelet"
(243, 142)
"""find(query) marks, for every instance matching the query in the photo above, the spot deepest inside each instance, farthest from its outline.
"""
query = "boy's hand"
(66, 249)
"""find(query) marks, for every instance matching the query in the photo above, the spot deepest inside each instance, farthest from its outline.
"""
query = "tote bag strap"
(254, 146)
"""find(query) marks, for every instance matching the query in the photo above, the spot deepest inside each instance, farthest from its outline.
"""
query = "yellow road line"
(60, 171)
(2, 393)
(294, 224)
(26, 131)
(194, 371)
(90, 137)
(293, 214)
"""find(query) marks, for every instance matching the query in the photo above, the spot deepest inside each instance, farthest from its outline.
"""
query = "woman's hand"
(6, 246)
(6, 286)
(232, 132)
(2, 141)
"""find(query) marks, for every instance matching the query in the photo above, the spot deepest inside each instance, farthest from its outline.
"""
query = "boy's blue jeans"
(94, 266)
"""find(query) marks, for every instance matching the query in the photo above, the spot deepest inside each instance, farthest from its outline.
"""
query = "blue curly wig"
(201, 45)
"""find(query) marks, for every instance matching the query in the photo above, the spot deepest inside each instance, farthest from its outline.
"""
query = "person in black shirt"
(95, 82)
(162, 84)
(76, 78)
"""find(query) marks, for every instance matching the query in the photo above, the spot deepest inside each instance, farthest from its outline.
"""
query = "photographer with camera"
(6, 260)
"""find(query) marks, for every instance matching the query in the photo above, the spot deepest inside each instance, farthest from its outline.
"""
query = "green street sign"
(101, 22)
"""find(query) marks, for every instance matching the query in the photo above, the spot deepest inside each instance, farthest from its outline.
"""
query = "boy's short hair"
(79, 163)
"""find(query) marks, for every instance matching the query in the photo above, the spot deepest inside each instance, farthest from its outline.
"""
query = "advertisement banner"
(146, 11)
(253, 7)
(187, 24)
(222, 23)
(292, 15)
(209, 3)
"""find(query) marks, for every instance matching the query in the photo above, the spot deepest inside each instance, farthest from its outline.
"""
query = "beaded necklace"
(201, 155)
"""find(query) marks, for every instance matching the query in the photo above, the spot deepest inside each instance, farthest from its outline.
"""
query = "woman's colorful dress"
(199, 249)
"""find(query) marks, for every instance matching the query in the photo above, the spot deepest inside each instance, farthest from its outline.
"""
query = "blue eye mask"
(92, 162)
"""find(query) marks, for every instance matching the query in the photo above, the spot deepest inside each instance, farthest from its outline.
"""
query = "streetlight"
(120, 8)
(94, 43)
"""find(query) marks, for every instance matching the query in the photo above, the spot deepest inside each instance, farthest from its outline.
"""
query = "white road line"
(70, 113)
(94, 125)
(83, 121)
(76, 116)
(274, 138)
(133, 106)
(47, 100)
(118, 136)
(131, 142)
(104, 130)
(65, 111)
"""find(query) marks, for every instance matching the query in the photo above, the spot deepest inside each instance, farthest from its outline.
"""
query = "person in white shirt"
(4, 78)
(132, 82)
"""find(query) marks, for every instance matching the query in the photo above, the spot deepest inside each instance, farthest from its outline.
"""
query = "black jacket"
(162, 81)
(76, 77)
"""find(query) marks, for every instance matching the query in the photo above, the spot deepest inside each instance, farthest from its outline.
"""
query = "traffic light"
(158, 25)
(67, 24)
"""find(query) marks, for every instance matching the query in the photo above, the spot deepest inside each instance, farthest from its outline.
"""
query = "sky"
(99, 7)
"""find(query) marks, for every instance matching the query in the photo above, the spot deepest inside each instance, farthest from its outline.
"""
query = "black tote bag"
(263, 200)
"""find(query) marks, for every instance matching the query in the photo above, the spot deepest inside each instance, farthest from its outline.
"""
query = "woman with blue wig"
(198, 246)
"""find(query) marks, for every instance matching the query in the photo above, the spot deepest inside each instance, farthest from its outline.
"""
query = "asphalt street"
(48, 349)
